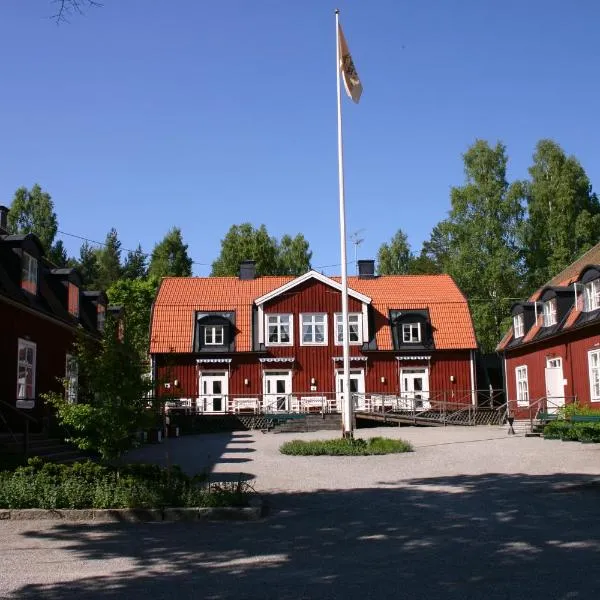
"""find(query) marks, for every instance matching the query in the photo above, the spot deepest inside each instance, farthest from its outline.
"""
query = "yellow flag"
(351, 81)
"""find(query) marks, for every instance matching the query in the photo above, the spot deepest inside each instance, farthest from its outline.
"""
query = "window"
(522, 386)
(73, 299)
(518, 326)
(554, 363)
(213, 335)
(591, 295)
(29, 274)
(279, 330)
(26, 370)
(72, 378)
(354, 328)
(594, 368)
(101, 316)
(550, 312)
(314, 329)
(411, 333)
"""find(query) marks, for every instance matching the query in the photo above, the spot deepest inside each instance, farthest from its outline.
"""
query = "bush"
(345, 447)
(575, 409)
(88, 485)
(572, 432)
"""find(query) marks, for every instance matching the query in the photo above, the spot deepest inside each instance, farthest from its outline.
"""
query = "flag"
(351, 81)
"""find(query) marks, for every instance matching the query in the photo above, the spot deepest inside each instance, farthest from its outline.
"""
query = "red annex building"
(552, 351)
(41, 309)
(270, 344)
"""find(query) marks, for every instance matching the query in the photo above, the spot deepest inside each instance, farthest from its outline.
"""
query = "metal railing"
(448, 406)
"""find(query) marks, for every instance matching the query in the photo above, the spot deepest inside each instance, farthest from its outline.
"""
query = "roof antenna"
(357, 241)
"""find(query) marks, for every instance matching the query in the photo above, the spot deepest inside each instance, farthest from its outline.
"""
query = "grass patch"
(89, 485)
(345, 447)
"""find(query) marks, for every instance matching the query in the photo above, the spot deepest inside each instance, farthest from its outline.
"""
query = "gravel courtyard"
(472, 513)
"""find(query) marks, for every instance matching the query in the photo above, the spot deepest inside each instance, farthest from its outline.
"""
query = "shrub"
(572, 432)
(88, 485)
(345, 447)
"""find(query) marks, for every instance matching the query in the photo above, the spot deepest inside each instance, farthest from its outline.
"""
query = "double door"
(357, 388)
(414, 388)
(214, 389)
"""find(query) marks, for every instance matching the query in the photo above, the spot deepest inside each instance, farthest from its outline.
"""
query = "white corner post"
(347, 420)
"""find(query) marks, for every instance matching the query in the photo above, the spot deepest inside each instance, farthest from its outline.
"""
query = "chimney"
(247, 270)
(3, 219)
(366, 269)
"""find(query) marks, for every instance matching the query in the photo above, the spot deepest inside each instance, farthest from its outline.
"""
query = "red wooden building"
(236, 344)
(552, 351)
(41, 308)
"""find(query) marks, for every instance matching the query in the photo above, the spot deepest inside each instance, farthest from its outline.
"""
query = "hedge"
(576, 432)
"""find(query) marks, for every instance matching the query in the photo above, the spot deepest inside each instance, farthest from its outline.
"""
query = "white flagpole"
(347, 407)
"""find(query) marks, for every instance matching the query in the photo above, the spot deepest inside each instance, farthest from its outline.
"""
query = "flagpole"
(347, 422)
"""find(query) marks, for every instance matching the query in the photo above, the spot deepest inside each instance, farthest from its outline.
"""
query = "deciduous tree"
(395, 258)
(293, 255)
(32, 211)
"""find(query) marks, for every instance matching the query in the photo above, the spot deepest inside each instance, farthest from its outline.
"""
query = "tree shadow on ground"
(490, 536)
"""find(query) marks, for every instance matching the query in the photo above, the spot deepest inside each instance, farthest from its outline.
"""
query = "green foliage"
(135, 264)
(477, 244)
(242, 242)
(111, 390)
(572, 432)
(563, 213)
(293, 255)
(576, 409)
(170, 258)
(345, 447)
(32, 211)
(88, 485)
(109, 261)
(58, 254)
(136, 297)
(87, 265)
(395, 258)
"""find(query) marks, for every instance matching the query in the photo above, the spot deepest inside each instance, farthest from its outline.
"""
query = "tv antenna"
(357, 241)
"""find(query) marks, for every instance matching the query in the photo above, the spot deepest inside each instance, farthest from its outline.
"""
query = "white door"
(555, 388)
(357, 388)
(214, 387)
(277, 389)
(414, 388)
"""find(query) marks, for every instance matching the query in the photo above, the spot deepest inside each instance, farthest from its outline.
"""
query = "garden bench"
(585, 419)
(546, 416)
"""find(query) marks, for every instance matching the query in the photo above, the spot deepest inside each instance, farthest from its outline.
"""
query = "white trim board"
(310, 275)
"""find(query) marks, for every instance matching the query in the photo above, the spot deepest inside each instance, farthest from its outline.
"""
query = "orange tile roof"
(505, 340)
(179, 298)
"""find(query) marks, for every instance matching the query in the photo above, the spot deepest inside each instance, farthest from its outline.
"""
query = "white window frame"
(519, 325)
(101, 317)
(522, 385)
(594, 373)
(29, 272)
(275, 320)
(30, 369)
(71, 378)
(214, 330)
(409, 328)
(591, 295)
(353, 319)
(310, 320)
(549, 312)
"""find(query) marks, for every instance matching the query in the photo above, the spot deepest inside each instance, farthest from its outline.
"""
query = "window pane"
(285, 333)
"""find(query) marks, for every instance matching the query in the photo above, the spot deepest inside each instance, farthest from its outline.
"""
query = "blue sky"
(147, 114)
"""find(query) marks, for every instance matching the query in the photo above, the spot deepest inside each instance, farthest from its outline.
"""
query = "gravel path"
(472, 513)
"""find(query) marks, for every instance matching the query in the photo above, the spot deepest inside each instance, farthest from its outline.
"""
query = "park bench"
(585, 419)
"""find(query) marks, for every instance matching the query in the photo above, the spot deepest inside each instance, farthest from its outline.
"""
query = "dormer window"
(73, 299)
(591, 295)
(101, 317)
(550, 312)
(519, 325)
(214, 335)
(411, 333)
(29, 274)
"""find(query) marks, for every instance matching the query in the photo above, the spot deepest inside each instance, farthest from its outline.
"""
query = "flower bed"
(345, 447)
(89, 485)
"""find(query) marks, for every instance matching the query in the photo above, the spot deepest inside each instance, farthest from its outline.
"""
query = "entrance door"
(277, 388)
(214, 387)
(414, 387)
(357, 388)
(555, 389)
